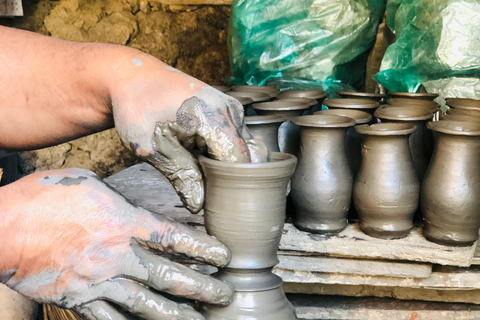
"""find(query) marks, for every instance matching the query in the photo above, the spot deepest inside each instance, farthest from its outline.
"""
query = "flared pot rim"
(414, 95)
(398, 113)
(378, 96)
(359, 116)
(351, 103)
(460, 117)
(264, 119)
(386, 129)
(280, 105)
(412, 102)
(312, 94)
(255, 96)
(272, 91)
(463, 103)
(459, 128)
(222, 88)
(282, 160)
(311, 102)
(323, 121)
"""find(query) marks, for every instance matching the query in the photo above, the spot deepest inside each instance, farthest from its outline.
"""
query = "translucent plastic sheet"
(302, 42)
(437, 46)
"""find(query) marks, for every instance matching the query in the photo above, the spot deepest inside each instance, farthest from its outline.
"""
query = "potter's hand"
(161, 112)
(73, 241)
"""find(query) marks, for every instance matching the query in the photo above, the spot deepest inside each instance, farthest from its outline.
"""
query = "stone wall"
(190, 38)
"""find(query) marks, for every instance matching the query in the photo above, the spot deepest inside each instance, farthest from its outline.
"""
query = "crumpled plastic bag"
(302, 41)
(437, 46)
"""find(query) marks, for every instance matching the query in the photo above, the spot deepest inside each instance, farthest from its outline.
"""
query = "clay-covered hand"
(73, 241)
(161, 112)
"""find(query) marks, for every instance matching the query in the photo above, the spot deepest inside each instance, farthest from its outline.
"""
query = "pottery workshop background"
(192, 38)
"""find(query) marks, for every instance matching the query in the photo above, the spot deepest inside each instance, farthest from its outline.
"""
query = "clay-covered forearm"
(52, 90)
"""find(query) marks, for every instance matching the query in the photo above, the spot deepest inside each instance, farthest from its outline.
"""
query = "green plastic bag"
(437, 46)
(299, 43)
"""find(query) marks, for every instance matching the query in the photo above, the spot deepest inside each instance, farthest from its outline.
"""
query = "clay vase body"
(266, 128)
(419, 118)
(247, 98)
(322, 183)
(352, 140)
(272, 91)
(413, 96)
(463, 103)
(449, 198)
(318, 95)
(245, 210)
(288, 134)
(386, 188)
(361, 95)
(365, 105)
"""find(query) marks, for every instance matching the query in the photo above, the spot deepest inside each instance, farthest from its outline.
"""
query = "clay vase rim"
(272, 91)
(280, 105)
(244, 100)
(413, 102)
(223, 89)
(264, 119)
(463, 103)
(459, 128)
(403, 113)
(376, 96)
(351, 103)
(386, 129)
(311, 102)
(280, 161)
(360, 117)
(312, 94)
(254, 96)
(459, 117)
(412, 95)
(323, 121)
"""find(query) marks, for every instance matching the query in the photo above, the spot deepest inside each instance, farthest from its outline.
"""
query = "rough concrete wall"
(190, 38)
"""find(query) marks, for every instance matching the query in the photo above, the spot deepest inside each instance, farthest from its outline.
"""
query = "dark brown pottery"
(416, 96)
(386, 188)
(463, 103)
(265, 128)
(423, 104)
(418, 117)
(361, 95)
(460, 117)
(223, 89)
(288, 134)
(463, 111)
(318, 95)
(270, 90)
(355, 104)
(449, 198)
(245, 210)
(322, 183)
(353, 140)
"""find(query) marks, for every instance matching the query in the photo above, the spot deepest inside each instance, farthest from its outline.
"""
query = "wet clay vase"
(247, 98)
(272, 91)
(245, 210)
(318, 95)
(449, 197)
(361, 95)
(266, 128)
(418, 117)
(322, 183)
(365, 105)
(353, 140)
(414, 96)
(386, 188)
(288, 134)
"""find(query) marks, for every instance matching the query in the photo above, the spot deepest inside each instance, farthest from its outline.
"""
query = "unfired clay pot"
(288, 134)
(432, 106)
(271, 90)
(245, 210)
(386, 188)
(247, 98)
(449, 198)
(265, 128)
(361, 95)
(353, 139)
(418, 117)
(322, 183)
(460, 117)
(318, 95)
(223, 89)
(416, 96)
(464, 111)
(463, 103)
(355, 104)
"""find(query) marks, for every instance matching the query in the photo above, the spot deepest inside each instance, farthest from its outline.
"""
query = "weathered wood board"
(146, 187)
